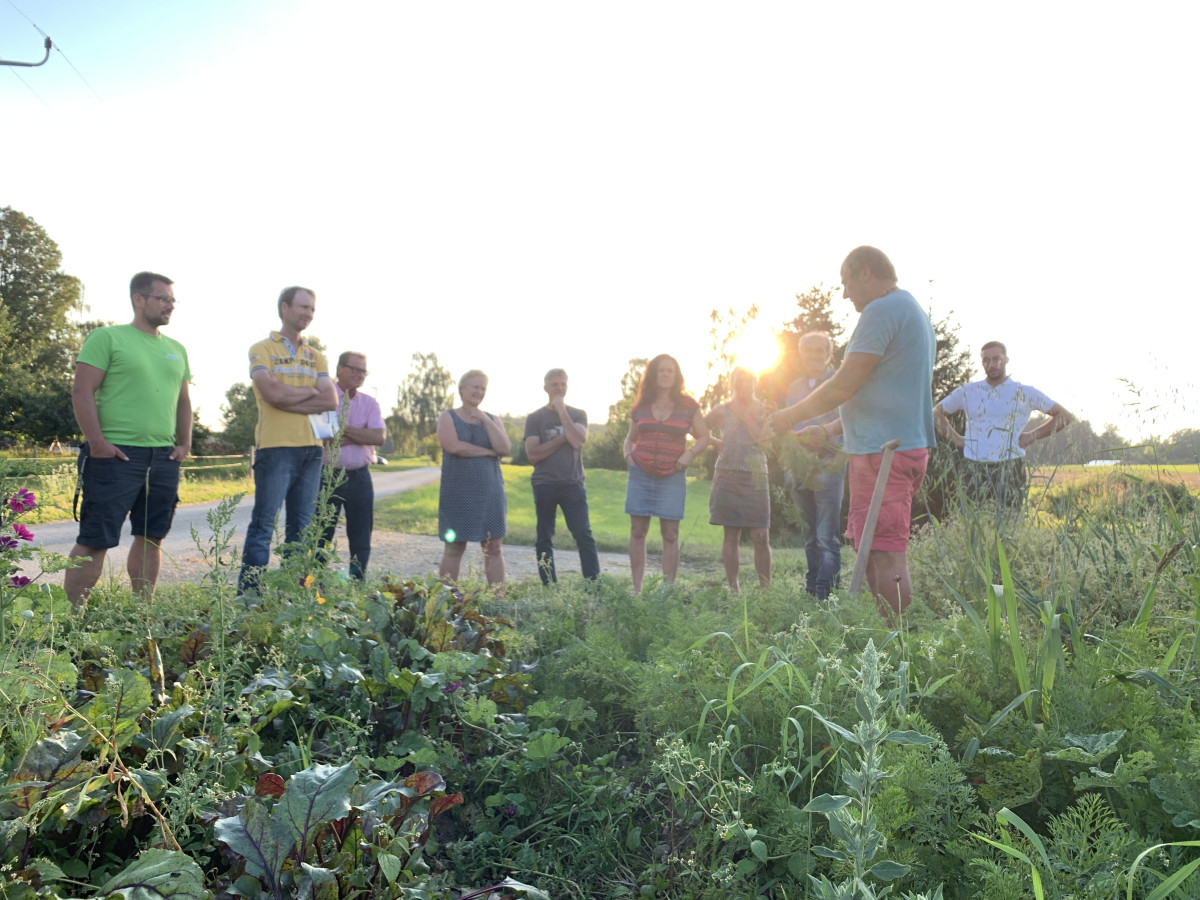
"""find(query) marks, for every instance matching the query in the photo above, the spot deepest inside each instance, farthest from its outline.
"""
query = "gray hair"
(875, 260)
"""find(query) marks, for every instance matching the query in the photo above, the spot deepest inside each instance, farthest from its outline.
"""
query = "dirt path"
(412, 555)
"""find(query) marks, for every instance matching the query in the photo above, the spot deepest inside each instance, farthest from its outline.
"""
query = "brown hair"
(288, 294)
(143, 282)
(645, 391)
(990, 344)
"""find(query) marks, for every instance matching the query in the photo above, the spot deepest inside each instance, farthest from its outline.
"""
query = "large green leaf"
(888, 870)
(908, 737)
(316, 884)
(260, 839)
(826, 803)
(48, 767)
(314, 797)
(545, 745)
(115, 711)
(157, 873)
(1088, 748)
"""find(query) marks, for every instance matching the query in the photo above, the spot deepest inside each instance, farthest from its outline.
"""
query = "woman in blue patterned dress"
(471, 502)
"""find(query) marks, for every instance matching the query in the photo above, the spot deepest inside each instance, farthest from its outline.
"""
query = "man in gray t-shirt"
(554, 436)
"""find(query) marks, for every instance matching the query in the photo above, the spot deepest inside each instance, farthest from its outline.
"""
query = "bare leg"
(761, 538)
(731, 555)
(888, 578)
(639, 527)
(143, 564)
(452, 555)
(79, 581)
(493, 560)
(670, 538)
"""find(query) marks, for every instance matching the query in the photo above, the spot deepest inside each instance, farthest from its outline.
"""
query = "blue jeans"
(572, 497)
(821, 511)
(357, 495)
(282, 475)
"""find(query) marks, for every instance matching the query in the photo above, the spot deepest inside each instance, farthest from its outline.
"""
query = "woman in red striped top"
(657, 454)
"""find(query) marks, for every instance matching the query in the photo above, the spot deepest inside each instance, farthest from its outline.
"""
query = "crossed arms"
(295, 398)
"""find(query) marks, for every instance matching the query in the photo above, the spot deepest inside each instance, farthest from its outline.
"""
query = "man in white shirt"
(997, 410)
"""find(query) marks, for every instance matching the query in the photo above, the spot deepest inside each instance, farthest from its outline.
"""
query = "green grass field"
(415, 512)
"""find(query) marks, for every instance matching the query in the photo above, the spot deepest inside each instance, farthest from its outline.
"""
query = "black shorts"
(144, 489)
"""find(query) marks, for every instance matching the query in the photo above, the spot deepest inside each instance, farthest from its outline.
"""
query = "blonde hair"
(471, 373)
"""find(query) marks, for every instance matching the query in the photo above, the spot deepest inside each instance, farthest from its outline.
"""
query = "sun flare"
(757, 349)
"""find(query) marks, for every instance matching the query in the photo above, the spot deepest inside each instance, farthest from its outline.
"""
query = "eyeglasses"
(161, 298)
(362, 372)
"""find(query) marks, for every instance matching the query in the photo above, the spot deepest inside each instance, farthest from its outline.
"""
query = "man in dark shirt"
(554, 436)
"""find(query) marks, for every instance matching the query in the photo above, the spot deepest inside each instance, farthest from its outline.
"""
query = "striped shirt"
(300, 366)
(659, 444)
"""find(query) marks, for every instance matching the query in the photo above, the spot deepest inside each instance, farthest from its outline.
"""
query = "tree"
(1183, 446)
(427, 390)
(1076, 444)
(38, 343)
(815, 313)
(202, 435)
(727, 327)
(952, 366)
(240, 415)
(606, 449)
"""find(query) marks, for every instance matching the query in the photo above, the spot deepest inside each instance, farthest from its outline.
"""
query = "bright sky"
(517, 186)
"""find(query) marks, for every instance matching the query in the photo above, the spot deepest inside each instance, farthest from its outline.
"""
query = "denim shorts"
(649, 495)
(144, 489)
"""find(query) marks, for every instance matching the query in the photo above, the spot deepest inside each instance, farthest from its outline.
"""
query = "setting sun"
(757, 348)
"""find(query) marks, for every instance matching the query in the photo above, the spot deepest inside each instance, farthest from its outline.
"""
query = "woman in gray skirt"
(740, 497)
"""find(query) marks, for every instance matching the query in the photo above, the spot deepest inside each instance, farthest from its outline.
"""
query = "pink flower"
(22, 500)
(22, 532)
(18, 581)
(7, 543)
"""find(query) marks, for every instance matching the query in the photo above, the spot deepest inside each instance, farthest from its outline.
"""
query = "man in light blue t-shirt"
(883, 391)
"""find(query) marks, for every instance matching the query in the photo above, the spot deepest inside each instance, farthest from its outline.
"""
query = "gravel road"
(412, 555)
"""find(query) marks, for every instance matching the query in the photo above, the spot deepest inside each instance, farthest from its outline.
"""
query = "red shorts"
(895, 516)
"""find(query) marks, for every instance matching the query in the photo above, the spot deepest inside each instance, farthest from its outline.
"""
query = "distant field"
(1060, 475)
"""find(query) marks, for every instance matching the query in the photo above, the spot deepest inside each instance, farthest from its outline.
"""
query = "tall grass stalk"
(1168, 884)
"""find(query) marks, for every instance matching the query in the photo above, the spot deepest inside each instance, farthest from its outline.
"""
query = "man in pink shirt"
(362, 430)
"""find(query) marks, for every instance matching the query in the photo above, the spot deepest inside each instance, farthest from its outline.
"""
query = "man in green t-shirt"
(132, 405)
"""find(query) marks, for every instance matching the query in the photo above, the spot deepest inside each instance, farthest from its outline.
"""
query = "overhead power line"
(49, 44)
(42, 62)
